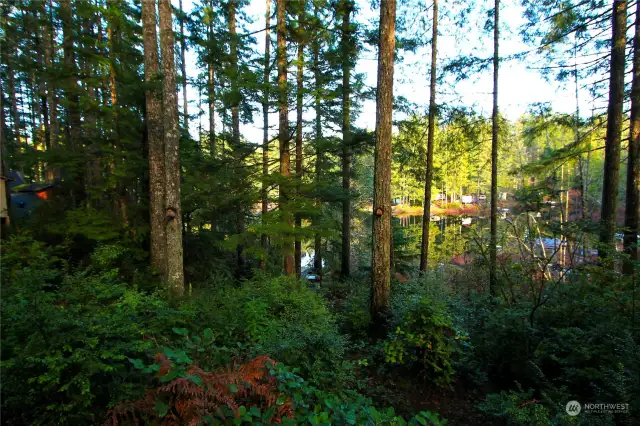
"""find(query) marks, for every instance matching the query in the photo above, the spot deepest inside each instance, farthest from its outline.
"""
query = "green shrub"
(232, 395)
(66, 338)
(350, 300)
(578, 345)
(281, 318)
(426, 338)
(516, 408)
(317, 407)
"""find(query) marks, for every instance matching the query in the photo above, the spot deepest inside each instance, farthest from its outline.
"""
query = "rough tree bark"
(633, 162)
(299, 100)
(153, 98)
(183, 68)
(40, 101)
(493, 241)
(73, 112)
(235, 122)
(614, 127)
(94, 175)
(13, 98)
(233, 64)
(424, 252)
(113, 38)
(317, 246)
(212, 92)
(175, 272)
(52, 173)
(4, 169)
(283, 136)
(74, 123)
(346, 42)
(265, 128)
(381, 257)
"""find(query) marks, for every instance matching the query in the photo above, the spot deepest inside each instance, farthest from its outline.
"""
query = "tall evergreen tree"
(347, 6)
(493, 243)
(299, 111)
(265, 126)
(426, 215)
(284, 137)
(632, 205)
(155, 141)
(235, 117)
(52, 173)
(381, 257)
(614, 127)
(315, 45)
(175, 272)
(72, 96)
(183, 66)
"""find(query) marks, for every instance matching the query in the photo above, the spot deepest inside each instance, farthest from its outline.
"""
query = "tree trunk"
(113, 35)
(40, 101)
(183, 69)
(74, 123)
(381, 257)
(633, 163)
(212, 110)
(73, 112)
(94, 174)
(283, 136)
(493, 242)
(424, 253)
(265, 129)
(212, 94)
(52, 173)
(235, 124)
(614, 127)
(235, 94)
(317, 246)
(175, 272)
(4, 169)
(13, 101)
(153, 98)
(345, 271)
(299, 99)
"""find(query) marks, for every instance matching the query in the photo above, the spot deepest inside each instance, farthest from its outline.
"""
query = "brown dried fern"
(189, 402)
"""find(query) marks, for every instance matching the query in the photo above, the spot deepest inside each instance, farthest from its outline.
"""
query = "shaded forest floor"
(407, 392)
(411, 395)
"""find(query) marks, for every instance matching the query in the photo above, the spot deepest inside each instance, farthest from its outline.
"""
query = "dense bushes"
(278, 317)
(579, 344)
(77, 340)
(425, 338)
(576, 342)
(260, 391)
(66, 338)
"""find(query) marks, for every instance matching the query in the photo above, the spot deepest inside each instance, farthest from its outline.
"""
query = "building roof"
(31, 187)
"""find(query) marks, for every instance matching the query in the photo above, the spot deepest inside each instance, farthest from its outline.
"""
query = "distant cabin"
(26, 197)
(4, 201)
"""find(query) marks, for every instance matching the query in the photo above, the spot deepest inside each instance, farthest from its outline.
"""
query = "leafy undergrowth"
(187, 394)
(258, 392)
(74, 345)
(477, 359)
(78, 343)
